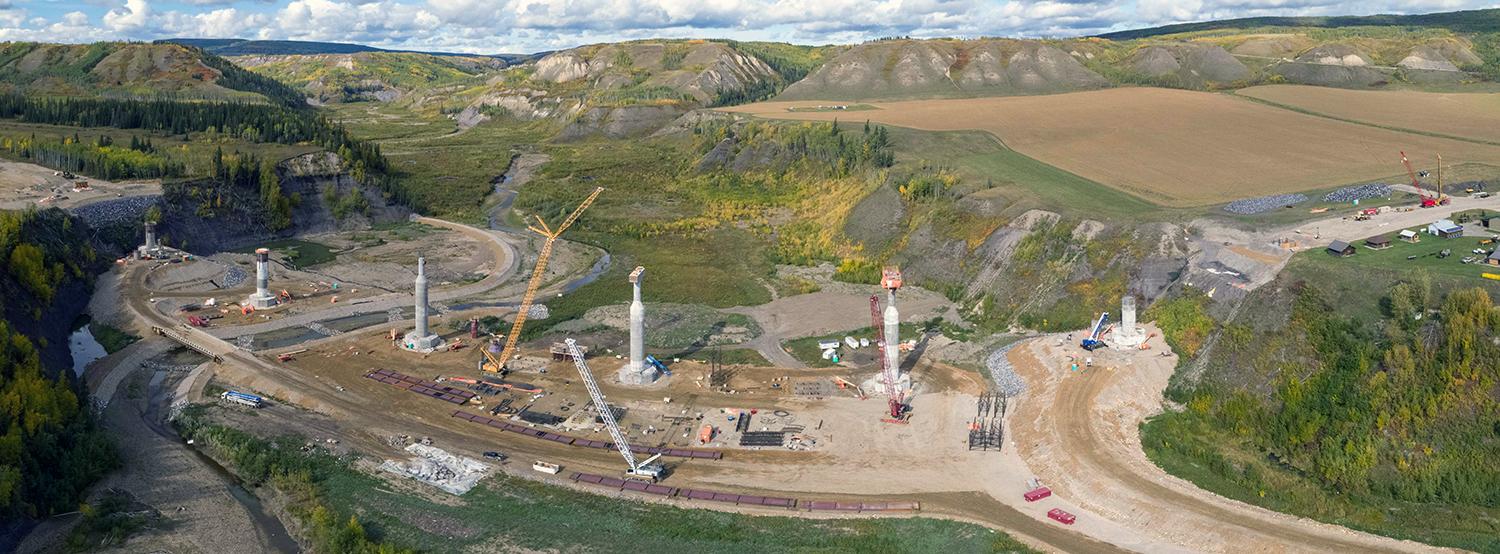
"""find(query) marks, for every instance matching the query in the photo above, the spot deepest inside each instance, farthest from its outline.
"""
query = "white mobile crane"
(649, 469)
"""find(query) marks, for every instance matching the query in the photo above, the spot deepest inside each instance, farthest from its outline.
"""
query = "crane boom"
(1427, 202)
(888, 374)
(495, 365)
(645, 468)
(604, 412)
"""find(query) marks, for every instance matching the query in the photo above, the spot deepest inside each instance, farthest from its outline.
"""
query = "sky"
(523, 26)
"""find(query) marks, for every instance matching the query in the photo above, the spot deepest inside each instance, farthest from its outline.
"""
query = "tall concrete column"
(637, 371)
(892, 319)
(262, 298)
(421, 339)
(150, 235)
(1128, 334)
(421, 294)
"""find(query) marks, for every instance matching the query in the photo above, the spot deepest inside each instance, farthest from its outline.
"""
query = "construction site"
(890, 428)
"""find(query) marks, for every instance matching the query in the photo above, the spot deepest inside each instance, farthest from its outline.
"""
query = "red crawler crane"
(1427, 201)
(890, 279)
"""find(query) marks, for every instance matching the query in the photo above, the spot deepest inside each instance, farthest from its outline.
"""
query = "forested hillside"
(132, 70)
(1391, 425)
(52, 449)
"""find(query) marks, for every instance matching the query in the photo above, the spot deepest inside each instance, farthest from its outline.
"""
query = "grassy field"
(979, 157)
(1471, 117)
(539, 517)
(1169, 147)
(508, 513)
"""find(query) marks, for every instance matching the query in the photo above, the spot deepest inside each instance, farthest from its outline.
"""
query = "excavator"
(493, 362)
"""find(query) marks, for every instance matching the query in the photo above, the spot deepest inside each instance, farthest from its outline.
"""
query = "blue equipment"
(1092, 341)
(658, 365)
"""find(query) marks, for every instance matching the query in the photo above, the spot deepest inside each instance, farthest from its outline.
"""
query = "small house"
(1378, 242)
(1445, 228)
(1341, 249)
(1494, 257)
(1409, 235)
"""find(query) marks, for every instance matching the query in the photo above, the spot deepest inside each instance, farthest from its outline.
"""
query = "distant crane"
(494, 364)
(1427, 201)
(1442, 199)
(649, 469)
(1093, 341)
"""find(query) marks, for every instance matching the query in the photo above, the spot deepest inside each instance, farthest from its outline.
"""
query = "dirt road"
(502, 253)
(1079, 431)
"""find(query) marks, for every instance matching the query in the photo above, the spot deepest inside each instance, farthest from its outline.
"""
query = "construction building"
(1445, 228)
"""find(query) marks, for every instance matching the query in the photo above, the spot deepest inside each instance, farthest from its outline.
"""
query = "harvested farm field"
(1466, 115)
(1172, 147)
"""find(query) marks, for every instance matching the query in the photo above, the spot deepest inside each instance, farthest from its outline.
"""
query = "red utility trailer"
(1036, 494)
(1061, 516)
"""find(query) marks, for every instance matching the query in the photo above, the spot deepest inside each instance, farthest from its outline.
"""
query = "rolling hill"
(630, 88)
(133, 70)
(245, 47)
(374, 75)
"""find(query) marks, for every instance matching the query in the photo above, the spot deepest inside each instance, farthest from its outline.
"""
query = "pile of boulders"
(1358, 192)
(119, 210)
(1006, 380)
(1251, 206)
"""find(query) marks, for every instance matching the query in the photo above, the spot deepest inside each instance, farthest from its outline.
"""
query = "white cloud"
(131, 16)
(529, 25)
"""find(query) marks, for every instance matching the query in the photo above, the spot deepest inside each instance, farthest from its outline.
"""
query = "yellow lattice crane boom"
(495, 364)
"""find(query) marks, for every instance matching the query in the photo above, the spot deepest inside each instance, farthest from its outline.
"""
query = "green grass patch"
(111, 338)
(300, 253)
(806, 349)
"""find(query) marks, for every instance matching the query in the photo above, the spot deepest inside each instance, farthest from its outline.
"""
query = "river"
(84, 348)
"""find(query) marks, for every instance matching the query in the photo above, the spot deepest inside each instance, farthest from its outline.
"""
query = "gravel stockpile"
(1358, 192)
(1250, 206)
(110, 212)
(1006, 380)
(234, 276)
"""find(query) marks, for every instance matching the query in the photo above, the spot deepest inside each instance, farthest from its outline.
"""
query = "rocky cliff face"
(244, 224)
(910, 69)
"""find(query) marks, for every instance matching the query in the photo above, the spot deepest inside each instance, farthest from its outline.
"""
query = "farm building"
(1341, 248)
(1409, 235)
(1378, 242)
(1445, 228)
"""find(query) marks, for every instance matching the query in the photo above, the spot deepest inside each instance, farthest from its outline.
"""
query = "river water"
(85, 349)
